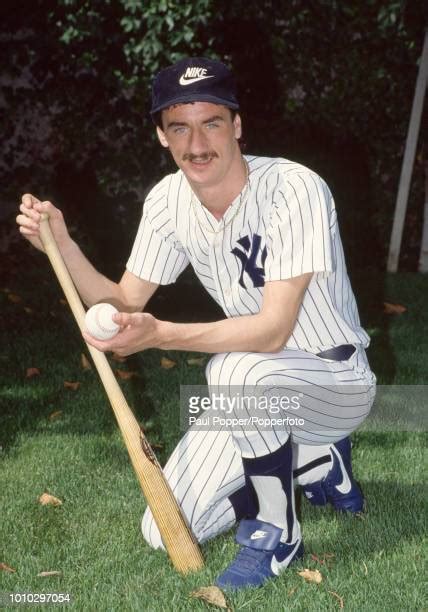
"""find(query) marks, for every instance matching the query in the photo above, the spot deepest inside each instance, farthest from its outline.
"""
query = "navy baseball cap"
(194, 79)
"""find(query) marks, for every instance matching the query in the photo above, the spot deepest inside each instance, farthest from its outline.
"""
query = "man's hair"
(157, 117)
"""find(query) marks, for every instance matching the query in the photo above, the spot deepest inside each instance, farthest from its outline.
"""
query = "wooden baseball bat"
(176, 535)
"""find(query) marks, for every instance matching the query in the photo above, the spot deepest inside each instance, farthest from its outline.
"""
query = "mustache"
(201, 157)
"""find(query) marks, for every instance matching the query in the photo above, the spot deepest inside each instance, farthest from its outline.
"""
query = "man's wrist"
(165, 333)
(68, 247)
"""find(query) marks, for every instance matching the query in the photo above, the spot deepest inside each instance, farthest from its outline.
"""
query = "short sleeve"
(299, 237)
(157, 255)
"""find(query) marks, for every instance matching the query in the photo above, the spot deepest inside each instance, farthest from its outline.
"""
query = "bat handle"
(61, 271)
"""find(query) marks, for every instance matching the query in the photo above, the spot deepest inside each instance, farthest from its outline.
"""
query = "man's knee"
(237, 369)
(150, 531)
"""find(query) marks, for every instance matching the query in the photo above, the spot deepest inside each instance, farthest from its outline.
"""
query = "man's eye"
(212, 125)
(179, 130)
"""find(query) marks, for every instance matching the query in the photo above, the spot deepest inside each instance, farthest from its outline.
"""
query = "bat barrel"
(175, 532)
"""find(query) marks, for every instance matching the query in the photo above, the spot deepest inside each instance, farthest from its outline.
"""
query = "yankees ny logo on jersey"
(248, 259)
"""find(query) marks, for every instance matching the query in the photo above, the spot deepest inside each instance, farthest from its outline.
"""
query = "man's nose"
(198, 142)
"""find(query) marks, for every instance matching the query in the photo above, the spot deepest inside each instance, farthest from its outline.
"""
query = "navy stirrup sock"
(269, 480)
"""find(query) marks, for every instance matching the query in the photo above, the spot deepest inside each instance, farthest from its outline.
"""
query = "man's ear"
(162, 137)
(237, 124)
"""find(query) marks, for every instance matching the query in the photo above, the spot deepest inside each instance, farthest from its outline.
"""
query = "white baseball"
(99, 322)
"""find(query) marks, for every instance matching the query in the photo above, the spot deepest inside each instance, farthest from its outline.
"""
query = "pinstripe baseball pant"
(205, 469)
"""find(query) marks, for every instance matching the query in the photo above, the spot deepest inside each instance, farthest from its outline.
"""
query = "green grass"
(94, 538)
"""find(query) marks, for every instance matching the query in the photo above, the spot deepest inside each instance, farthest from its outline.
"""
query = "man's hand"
(29, 221)
(139, 331)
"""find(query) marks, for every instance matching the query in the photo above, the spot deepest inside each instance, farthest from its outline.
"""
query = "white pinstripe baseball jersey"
(283, 225)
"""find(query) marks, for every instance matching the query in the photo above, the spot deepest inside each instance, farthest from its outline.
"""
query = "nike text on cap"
(194, 79)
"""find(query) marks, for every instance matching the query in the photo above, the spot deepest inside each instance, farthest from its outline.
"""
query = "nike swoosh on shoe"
(276, 566)
(346, 485)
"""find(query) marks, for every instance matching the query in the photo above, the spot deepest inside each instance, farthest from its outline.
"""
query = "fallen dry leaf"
(167, 364)
(118, 358)
(366, 571)
(84, 362)
(311, 575)
(49, 500)
(45, 574)
(71, 385)
(389, 308)
(32, 372)
(196, 361)
(212, 595)
(55, 415)
(28, 310)
(339, 598)
(15, 299)
(125, 374)
(7, 568)
(292, 591)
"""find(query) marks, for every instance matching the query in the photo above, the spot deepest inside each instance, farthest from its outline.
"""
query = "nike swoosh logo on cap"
(188, 81)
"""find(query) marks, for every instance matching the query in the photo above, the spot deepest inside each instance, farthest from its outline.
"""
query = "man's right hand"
(29, 221)
(130, 295)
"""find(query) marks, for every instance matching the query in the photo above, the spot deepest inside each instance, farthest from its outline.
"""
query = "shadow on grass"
(69, 412)
(41, 404)
(385, 527)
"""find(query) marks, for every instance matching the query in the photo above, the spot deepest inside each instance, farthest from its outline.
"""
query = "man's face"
(203, 140)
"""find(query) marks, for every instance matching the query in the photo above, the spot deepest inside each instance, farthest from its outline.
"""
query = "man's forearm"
(92, 286)
(265, 332)
(253, 333)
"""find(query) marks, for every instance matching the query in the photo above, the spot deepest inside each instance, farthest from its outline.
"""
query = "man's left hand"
(139, 331)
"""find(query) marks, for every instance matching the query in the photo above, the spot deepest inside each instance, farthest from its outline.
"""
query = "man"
(262, 236)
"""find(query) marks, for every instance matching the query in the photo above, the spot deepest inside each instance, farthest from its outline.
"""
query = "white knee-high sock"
(273, 506)
(270, 478)
(311, 463)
